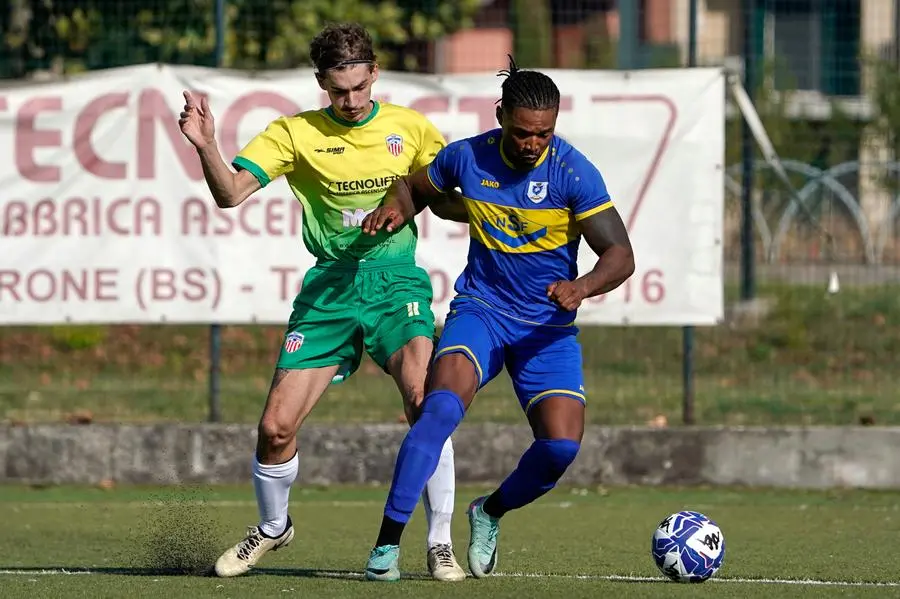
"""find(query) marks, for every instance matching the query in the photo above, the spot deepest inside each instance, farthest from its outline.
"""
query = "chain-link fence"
(824, 78)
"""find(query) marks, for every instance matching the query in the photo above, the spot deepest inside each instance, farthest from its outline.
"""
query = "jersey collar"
(345, 123)
(539, 162)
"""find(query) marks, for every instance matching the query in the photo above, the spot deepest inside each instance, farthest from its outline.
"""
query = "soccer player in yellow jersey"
(363, 293)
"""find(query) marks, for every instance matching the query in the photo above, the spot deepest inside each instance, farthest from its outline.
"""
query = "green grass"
(816, 359)
(134, 540)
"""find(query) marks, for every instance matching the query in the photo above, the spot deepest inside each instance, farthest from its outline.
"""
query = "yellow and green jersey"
(340, 171)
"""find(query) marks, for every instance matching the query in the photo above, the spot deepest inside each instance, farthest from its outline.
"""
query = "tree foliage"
(885, 98)
(533, 33)
(67, 36)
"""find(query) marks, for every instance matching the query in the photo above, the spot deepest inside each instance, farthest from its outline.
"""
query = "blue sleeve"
(587, 190)
(443, 172)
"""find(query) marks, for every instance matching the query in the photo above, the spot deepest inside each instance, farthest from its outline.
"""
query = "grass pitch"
(152, 542)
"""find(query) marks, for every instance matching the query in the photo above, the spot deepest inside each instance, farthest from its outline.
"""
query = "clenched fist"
(568, 295)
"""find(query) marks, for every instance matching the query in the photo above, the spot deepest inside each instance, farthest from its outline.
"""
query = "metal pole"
(215, 330)
(629, 30)
(215, 357)
(687, 333)
(748, 256)
(896, 58)
(220, 32)
(692, 33)
(896, 33)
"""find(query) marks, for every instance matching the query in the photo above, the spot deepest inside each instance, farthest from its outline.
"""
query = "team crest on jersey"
(394, 144)
(293, 342)
(537, 191)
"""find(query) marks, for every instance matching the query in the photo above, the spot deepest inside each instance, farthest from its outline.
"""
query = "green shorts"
(345, 308)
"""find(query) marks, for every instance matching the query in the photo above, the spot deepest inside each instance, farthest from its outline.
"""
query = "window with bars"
(815, 44)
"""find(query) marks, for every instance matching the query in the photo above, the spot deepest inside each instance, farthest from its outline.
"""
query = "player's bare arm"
(406, 197)
(228, 188)
(450, 207)
(606, 234)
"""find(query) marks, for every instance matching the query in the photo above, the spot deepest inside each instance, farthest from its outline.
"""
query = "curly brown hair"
(340, 45)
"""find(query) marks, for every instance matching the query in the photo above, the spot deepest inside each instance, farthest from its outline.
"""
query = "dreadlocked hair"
(527, 89)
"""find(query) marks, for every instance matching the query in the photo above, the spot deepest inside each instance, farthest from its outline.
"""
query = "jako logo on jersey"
(394, 144)
(537, 191)
(293, 342)
(371, 184)
(354, 218)
(489, 183)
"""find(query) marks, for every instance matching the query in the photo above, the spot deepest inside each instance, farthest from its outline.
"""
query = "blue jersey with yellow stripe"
(523, 224)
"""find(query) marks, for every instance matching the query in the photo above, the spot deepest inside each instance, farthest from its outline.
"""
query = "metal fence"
(823, 74)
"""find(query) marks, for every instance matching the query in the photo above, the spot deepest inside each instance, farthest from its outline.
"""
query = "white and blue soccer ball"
(688, 547)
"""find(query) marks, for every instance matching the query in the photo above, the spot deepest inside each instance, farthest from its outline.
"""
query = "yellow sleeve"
(270, 154)
(432, 143)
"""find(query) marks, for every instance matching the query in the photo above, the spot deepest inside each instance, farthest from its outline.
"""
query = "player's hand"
(384, 217)
(196, 122)
(568, 295)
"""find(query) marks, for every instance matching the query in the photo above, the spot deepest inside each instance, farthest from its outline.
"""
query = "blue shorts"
(542, 361)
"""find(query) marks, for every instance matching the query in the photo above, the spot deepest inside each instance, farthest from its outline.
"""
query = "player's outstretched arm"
(228, 188)
(406, 197)
(606, 234)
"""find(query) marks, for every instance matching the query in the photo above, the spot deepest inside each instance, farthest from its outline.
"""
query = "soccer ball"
(688, 547)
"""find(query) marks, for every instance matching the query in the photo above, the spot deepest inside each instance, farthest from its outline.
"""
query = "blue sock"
(538, 471)
(442, 411)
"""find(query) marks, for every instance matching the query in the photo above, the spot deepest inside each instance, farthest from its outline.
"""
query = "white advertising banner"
(105, 216)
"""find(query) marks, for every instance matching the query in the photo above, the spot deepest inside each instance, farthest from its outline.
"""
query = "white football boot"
(243, 556)
(442, 564)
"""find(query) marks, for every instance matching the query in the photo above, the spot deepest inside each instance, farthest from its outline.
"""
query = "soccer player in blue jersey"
(530, 197)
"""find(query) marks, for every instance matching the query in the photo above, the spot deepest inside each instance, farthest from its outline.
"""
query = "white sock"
(439, 495)
(273, 487)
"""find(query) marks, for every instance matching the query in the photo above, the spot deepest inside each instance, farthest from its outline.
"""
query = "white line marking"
(219, 503)
(355, 575)
(786, 581)
(142, 504)
(28, 572)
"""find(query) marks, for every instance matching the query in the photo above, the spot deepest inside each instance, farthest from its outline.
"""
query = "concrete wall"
(205, 453)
